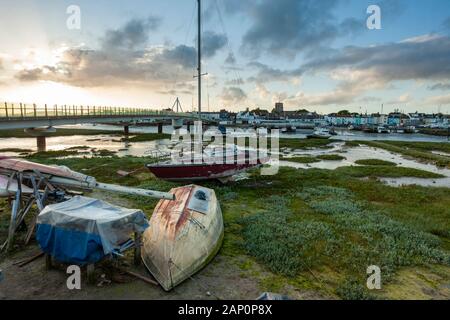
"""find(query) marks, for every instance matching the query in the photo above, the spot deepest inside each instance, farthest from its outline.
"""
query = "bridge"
(38, 121)
(25, 117)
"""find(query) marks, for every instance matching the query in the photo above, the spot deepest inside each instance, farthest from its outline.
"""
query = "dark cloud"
(133, 34)
(233, 95)
(426, 57)
(289, 26)
(212, 42)
(90, 68)
(446, 24)
(360, 69)
(30, 74)
(231, 59)
(182, 55)
(268, 74)
(352, 26)
(124, 57)
(439, 86)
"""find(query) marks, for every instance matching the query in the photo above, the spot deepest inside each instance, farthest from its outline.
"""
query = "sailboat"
(210, 167)
(185, 233)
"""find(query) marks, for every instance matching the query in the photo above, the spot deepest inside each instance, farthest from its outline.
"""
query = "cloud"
(360, 69)
(439, 86)
(369, 99)
(421, 58)
(446, 24)
(262, 91)
(266, 73)
(231, 59)
(404, 98)
(233, 95)
(133, 34)
(289, 26)
(213, 42)
(438, 100)
(93, 68)
(123, 58)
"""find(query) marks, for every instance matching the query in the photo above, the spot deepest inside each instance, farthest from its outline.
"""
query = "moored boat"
(184, 235)
(321, 133)
(213, 164)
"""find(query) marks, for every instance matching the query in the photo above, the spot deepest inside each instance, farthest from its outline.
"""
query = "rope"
(230, 49)
(188, 31)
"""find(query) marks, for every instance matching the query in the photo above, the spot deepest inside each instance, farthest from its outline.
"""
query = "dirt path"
(33, 281)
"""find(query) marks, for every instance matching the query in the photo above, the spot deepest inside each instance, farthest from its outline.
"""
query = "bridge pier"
(40, 134)
(177, 123)
(41, 144)
(160, 128)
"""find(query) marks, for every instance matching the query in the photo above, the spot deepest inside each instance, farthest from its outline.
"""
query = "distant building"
(214, 116)
(279, 107)
(398, 119)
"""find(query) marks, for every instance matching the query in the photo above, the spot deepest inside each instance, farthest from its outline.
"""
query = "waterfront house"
(247, 117)
(398, 119)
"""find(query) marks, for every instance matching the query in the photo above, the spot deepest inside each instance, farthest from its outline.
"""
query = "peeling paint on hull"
(181, 241)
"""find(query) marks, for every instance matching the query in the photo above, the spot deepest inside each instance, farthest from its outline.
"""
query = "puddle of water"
(351, 154)
(99, 142)
(363, 152)
(441, 153)
(406, 181)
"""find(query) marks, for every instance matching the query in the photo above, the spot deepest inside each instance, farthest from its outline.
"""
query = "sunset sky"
(309, 54)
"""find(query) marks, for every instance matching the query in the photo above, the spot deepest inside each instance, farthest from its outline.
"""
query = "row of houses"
(343, 118)
(394, 119)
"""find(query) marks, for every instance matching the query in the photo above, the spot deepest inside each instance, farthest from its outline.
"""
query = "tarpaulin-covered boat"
(84, 230)
(184, 235)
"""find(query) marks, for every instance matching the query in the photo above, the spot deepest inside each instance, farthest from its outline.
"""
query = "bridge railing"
(22, 111)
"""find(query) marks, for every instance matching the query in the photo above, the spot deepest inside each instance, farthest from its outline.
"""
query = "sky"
(308, 54)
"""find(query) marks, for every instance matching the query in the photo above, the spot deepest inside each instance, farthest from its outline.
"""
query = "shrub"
(352, 289)
(285, 247)
(375, 162)
(331, 157)
(371, 237)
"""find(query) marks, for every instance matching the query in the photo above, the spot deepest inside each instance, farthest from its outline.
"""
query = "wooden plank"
(14, 211)
(31, 230)
(140, 277)
(137, 248)
(29, 260)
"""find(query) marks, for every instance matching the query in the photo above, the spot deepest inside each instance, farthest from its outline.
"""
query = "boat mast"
(199, 69)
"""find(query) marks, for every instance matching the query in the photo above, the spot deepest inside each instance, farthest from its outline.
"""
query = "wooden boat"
(184, 235)
(63, 176)
(9, 188)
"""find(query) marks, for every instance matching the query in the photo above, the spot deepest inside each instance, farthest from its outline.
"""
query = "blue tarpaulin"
(84, 230)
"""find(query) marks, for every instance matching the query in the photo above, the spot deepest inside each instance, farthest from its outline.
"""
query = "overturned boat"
(184, 235)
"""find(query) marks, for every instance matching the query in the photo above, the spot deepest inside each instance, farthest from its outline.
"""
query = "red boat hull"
(198, 172)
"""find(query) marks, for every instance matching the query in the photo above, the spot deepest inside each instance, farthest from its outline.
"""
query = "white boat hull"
(184, 235)
(11, 189)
